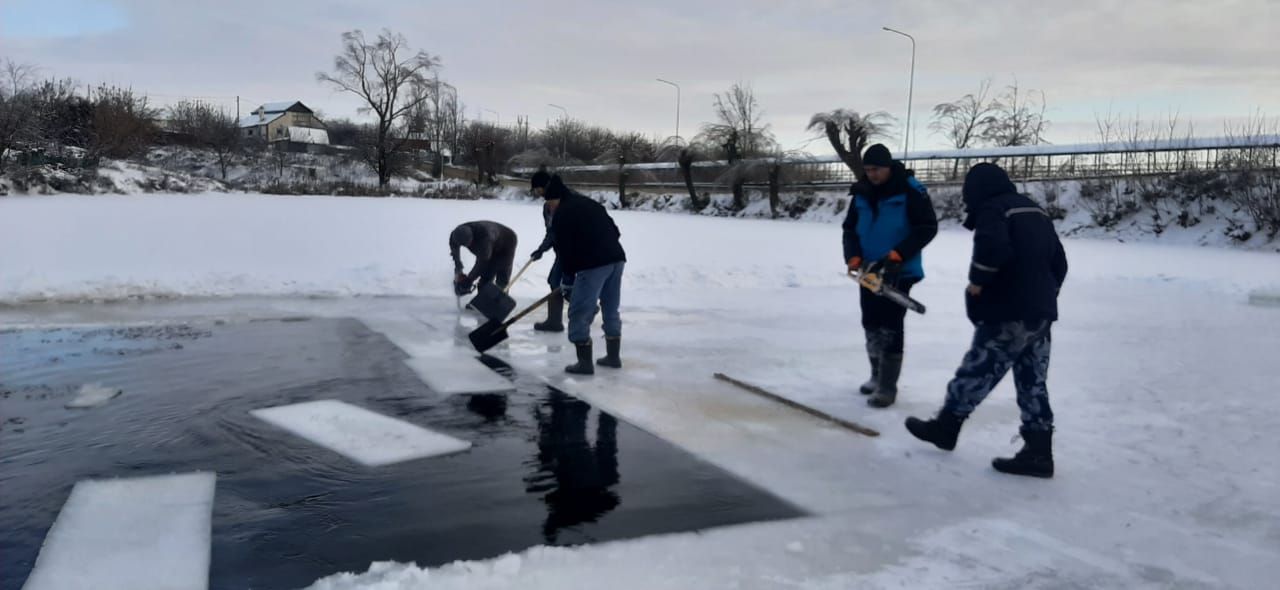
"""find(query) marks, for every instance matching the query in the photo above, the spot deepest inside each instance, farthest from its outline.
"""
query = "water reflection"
(575, 477)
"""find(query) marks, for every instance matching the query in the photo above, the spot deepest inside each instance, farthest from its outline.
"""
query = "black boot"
(941, 431)
(1035, 459)
(612, 347)
(873, 355)
(555, 315)
(887, 385)
(583, 366)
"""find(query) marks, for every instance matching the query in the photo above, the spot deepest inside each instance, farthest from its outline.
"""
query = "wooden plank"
(841, 422)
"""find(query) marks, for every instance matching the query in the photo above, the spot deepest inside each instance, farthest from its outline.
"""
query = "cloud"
(600, 58)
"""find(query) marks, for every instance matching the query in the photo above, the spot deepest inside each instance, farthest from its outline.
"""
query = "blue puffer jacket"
(897, 215)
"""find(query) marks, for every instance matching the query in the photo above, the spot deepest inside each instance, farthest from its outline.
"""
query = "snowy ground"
(1163, 382)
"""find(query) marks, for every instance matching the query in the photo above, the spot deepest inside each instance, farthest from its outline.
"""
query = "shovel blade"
(488, 335)
(492, 303)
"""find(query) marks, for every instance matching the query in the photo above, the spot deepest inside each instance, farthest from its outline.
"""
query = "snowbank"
(72, 248)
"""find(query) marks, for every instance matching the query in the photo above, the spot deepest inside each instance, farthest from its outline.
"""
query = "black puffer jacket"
(584, 233)
(1018, 259)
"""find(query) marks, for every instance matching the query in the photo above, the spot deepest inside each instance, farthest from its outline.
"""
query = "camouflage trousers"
(998, 347)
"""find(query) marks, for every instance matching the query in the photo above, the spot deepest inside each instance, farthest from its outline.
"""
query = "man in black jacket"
(555, 305)
(1018, 267)
(591, 260)
(890, 221)
(494, 246)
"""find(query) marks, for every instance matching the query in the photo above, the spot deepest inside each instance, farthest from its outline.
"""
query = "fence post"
(622, 182)
(775, 173)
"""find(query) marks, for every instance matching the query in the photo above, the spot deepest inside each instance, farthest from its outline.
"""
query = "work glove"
(889, 268)
(461, 285)
(537, 255)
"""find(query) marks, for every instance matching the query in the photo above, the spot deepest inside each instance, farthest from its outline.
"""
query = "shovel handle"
(512, 283)
(526, 311)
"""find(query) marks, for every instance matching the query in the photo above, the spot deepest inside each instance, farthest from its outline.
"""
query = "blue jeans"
(602, 284)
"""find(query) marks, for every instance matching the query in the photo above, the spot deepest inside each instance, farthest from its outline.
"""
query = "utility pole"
(906, 140)
(677, 107)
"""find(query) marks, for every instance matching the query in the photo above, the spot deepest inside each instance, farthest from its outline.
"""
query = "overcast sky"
(1212, 61)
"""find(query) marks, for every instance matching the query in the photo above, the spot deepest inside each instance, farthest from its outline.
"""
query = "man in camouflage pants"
(1018, 267)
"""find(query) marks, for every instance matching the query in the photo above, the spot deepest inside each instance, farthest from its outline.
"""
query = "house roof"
(282, 106)
(254, 120)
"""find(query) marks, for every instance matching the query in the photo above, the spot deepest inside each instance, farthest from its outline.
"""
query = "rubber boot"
(873, 355)
(583, 366)
(1035, 459)
(612, 347)
(941, 431)
(887, 384)
(555, 315)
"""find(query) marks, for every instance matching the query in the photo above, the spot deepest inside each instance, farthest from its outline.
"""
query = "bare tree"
(392, 81)
(684, 156)
(18, 112)
(1019, 118)
(965, 121)
(849, 133)
(208, 126)
(123, 123)
(739, 129)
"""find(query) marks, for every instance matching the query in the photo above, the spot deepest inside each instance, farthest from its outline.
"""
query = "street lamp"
(906, 140)
(564, 144)
(495, 114)
(677, 106)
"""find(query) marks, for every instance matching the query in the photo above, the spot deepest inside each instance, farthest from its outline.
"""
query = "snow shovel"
(494, 303)
(493, 332)
(872, 281)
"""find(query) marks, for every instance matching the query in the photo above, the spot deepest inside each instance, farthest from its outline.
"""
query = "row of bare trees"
(106, 121)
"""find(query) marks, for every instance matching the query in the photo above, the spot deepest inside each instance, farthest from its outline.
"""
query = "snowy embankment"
(74, 248)
(1189, 211)
(1163, 384)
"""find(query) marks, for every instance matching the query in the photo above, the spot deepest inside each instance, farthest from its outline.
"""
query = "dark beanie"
(540, 179)
(877, 155)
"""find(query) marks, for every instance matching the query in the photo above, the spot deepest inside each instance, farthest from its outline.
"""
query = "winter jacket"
(490, 242)
(548, 240)
(1018, 259)
(584, 234)
(897, 215)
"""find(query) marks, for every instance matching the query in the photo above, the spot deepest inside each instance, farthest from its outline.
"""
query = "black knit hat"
(540, 179)
(877, 155)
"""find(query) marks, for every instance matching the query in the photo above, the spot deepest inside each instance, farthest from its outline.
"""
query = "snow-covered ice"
(145, 533)
(1163, 383)
(364, 436)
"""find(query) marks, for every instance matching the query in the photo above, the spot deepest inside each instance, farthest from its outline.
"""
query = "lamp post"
(678, 140)
(906, 140)
(564, 140)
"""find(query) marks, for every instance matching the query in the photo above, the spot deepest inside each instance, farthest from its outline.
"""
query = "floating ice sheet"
(139, 533)
(361, 435)
(451, 374)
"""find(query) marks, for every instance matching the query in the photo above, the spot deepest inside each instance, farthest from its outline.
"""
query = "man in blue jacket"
(890, 220)
(1018, 267)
